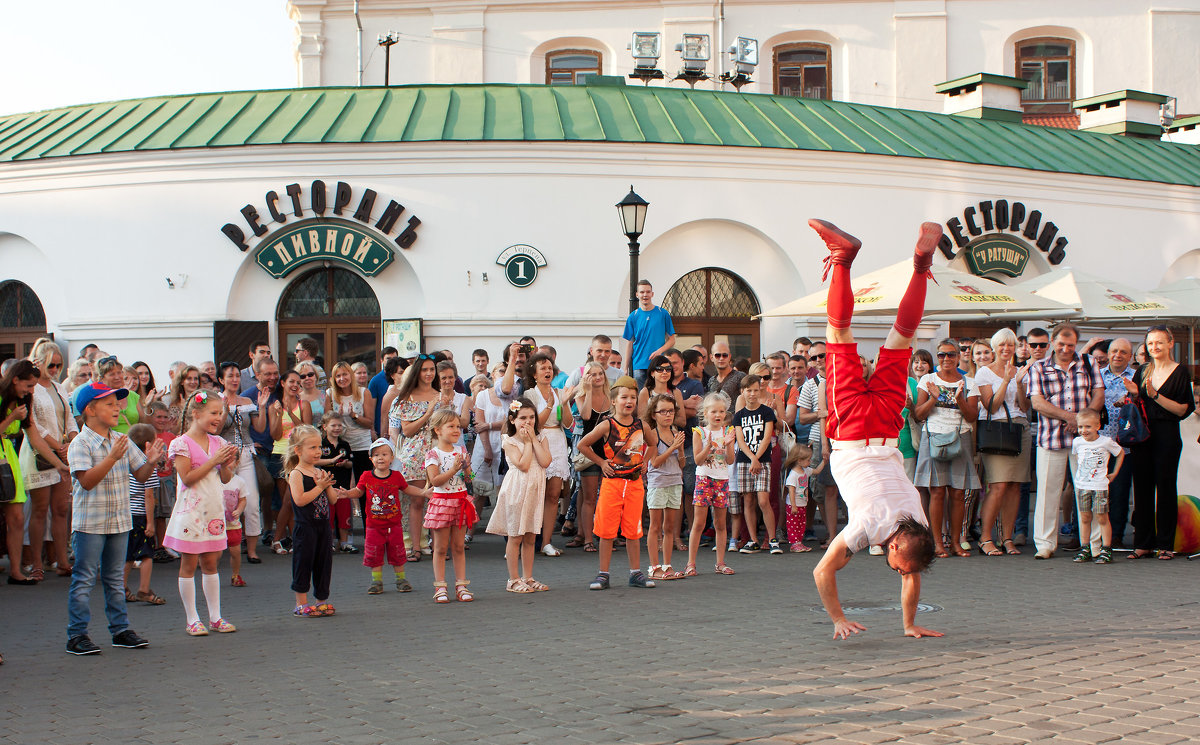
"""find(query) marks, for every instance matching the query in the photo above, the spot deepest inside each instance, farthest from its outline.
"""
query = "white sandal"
(550, 550)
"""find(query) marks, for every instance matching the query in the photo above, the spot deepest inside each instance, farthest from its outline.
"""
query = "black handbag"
(8, 482)
(996, 437)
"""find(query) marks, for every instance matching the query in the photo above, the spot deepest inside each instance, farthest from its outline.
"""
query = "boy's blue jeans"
(97, 555)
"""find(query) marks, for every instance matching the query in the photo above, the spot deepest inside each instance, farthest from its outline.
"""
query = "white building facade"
(466, 215)
(883, 53)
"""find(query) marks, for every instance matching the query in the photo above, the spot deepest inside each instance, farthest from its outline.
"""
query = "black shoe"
(253, 560)
(82, 645)
(129, 640)
(286, 542)
(27, 581)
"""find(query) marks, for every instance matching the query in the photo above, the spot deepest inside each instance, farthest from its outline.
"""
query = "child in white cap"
(382, 488)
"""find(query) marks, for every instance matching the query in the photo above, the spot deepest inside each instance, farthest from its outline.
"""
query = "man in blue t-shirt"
(648, 332)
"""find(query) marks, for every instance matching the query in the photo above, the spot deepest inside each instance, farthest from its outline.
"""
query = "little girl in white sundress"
(521, 501)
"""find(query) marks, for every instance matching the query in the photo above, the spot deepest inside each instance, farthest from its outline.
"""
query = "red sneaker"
(927, 241)
(843, 247)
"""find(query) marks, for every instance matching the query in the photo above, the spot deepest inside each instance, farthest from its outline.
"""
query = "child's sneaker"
(775, 547)
(402, 585)
(349, 548)
(751, 548)
(1105, 556)
(731, 547)
(638, 579)
(221, 626)
(196, 629)
(601, 582)
(237, 581)
(376, 588)
(1084, 555)
(800, 548)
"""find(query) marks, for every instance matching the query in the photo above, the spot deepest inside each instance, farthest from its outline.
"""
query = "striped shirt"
(1069, 389)
(105, 509)
(137, 493)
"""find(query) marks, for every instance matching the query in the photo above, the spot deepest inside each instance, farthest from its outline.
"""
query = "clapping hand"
(228, 454)
(120, 444)
(459, 461)
(154, 450)
(263, 398)
(324, 479)
(677, 443)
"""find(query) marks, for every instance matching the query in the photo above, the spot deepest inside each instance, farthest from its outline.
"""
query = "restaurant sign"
(360, 238)
(329, 239)
(998, 237)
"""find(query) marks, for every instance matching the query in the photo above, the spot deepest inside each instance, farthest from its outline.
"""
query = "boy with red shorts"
(863, 424)
(384, 537)
(233, 493)
(619, 506)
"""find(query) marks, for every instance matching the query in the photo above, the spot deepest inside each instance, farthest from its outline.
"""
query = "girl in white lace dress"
(521, 501)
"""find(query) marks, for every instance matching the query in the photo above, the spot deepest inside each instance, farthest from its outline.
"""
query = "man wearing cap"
(862, 425)
(101, 462)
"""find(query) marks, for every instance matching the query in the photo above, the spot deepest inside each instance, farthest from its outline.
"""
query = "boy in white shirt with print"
(1091, 451)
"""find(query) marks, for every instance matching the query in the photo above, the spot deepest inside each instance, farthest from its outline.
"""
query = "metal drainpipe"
(720, 42)
(358, 23)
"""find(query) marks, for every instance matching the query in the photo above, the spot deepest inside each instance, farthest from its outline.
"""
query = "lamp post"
(633, 218)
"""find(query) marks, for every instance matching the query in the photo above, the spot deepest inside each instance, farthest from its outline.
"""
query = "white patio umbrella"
(1099, 299)
(956, 293)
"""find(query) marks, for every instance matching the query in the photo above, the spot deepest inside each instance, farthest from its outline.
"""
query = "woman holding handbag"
(1165, 389)
(1004, 404)
(16, 420)
(48, 489)
(947, 403)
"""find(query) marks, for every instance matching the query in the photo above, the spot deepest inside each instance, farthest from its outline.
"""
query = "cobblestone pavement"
(1036, 651)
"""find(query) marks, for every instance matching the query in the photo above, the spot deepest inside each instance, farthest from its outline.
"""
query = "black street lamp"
(633, 218)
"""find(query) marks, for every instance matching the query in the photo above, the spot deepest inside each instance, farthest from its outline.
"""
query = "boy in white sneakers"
(1091, 451)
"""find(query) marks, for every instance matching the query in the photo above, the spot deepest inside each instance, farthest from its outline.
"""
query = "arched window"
(1049, 66)
(803, 70)
(710, 305)
(571, 66)
(338, 309)
(22, 319)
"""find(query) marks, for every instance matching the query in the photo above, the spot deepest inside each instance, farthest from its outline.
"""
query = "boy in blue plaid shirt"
(101, 462)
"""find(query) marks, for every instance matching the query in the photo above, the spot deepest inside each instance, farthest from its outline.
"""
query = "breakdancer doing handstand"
(863, 424)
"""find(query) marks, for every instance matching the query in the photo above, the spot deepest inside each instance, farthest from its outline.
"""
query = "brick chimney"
(984, 96)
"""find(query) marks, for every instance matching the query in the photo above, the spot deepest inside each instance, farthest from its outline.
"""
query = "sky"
(63, 52)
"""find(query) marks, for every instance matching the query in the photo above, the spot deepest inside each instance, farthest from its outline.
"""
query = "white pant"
(252, 516)
(1052, 468)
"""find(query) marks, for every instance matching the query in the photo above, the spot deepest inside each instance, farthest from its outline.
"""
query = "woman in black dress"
(1165, 387)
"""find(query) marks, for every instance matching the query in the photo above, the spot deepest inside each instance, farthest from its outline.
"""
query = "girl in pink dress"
(203, 463)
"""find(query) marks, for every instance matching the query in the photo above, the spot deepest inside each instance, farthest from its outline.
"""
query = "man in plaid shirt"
(1059, 386)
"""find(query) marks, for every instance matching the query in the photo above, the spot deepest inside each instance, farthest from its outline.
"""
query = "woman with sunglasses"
(317, 398)
(947, 403)
(48, 488)
(658, 381)
(1164, 388)
(241, 414)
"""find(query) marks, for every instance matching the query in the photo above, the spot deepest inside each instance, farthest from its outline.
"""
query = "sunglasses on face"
(818, 356)
(52, 366)
(663, 368)
(1038, 344)
(720, 354)
(944, 355)
(308, 375)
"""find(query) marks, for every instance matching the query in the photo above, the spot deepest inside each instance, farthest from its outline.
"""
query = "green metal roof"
(630, 114)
